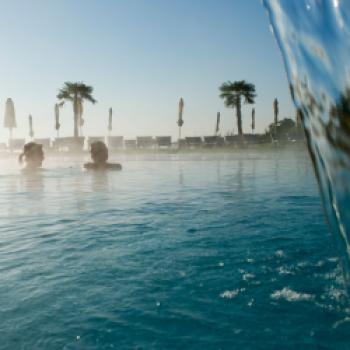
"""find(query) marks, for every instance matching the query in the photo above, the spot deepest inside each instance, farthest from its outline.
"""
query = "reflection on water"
(181, 177)
(32, 182)
(314, 37)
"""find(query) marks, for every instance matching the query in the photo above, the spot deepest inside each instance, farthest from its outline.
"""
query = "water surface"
(206, 251)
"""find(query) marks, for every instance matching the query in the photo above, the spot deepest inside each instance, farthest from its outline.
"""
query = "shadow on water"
(314, 40)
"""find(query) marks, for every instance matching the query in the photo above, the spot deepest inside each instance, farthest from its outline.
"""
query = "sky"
(140, 56)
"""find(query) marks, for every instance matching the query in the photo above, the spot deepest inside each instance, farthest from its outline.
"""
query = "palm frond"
(231, 92)
(71, 90)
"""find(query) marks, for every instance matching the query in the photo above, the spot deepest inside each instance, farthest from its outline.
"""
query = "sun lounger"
(194, 141)
(69, 144)
(232, 140)
(130, 144)
(116, 142)
(144, 141)
(45, 142)
(16, 144)
(163, 141)
(213, 141)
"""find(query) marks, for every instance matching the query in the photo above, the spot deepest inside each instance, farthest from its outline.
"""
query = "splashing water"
(314, 37)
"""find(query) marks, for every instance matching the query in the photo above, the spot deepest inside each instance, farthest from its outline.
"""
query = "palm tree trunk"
(239, 118)
(179, 139)
(75, 110)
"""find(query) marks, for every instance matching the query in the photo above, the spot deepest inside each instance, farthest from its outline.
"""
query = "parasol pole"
(57, 120)
(217, 128)
(275, 112)
(110, 116)
(253, 120)
(180, 121)
(31, 132)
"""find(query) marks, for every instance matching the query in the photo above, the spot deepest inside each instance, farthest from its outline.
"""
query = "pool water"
(191, 251)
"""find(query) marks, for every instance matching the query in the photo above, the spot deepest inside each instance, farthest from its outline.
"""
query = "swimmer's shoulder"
(27, 170)
(89, 166)
(114, 166)
(108, 166)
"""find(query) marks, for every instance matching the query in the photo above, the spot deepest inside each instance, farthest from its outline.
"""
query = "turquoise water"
(206, 251)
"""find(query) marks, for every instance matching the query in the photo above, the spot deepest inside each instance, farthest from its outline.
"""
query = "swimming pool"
(193, 251)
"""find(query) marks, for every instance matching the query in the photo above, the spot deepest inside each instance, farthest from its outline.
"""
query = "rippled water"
(226, 251)
(314, 37)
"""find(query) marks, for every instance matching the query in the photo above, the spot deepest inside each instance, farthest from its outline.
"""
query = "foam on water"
(290, 295)
(230, 294)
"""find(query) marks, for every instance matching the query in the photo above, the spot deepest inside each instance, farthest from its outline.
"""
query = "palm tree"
(233, 93)
(76, 93)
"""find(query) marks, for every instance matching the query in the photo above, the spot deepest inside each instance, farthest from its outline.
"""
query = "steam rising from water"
(314, 37)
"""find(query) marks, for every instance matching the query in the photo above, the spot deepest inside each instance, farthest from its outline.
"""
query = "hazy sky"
(140, 56)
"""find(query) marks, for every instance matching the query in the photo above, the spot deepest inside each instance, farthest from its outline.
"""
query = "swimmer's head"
(99, 152)
(32, 155)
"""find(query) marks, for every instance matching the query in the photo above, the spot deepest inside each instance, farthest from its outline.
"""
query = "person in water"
(32, 155)
(99, 156)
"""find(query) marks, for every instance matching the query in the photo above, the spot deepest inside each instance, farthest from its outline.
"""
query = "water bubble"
(248, 276)
(279, 253)
(284, 270)
(229, 294)
(302, 264)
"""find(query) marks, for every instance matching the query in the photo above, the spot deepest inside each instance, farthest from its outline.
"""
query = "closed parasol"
(275, 111)
(57, 119)
(10, 116)
(253, 119)
(180, 121)
(31, 132)
(217, 123)
(110, 116)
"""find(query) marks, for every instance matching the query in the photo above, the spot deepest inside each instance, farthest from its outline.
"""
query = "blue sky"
(140, 56)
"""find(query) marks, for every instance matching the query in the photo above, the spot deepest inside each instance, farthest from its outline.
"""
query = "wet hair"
(31, 150)
(99, 152)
